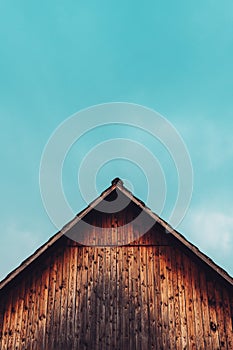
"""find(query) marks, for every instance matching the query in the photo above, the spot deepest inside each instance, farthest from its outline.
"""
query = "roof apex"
(117, 181)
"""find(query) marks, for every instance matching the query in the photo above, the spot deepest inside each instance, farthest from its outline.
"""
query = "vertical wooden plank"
(36, 312)
(119, 232)
(125, 302)
(99, 230)
(157, 291)
(132, 338)
(107, 292)
(13, 320)
(114, 230)
(99, 296)
(71, 296)
(110, 295)
(177, 314)
(113, 295)
(56, 330)
(149, 337)
(144, 308)
(227, 317)
(95, 301)
(92, 230)
(170, 296)
(20, 315)
(102, 298)
(51, 324)
(33, 311)
(230, 340)
(90, 299)
(189, 302)
(151, 297)
(2, 311)
(164, 298)
(109, 231)
(138, 299)
(25, 315)
(205, 311)
(130, 288)
(182, 302)
(64, 297)
(220, 317)
(119, 298)
(79, 297)
(212, 313)
(7, 322)
(93, 281)
(84, 293)
(39, 335)
(43, 304)
(122, 230)
(197, 307)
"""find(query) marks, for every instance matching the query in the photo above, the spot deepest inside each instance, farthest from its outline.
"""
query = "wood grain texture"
(151, 293)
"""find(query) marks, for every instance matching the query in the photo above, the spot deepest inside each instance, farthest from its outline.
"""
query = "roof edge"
(116, 183)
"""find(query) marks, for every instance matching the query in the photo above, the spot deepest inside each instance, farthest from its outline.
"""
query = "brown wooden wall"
(150, 295)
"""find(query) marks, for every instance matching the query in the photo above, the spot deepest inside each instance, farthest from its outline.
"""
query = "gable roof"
(116, 184)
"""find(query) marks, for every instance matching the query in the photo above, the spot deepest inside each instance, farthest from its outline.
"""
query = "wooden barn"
(117, 277)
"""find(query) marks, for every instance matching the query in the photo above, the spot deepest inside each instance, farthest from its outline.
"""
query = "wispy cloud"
(212, 232)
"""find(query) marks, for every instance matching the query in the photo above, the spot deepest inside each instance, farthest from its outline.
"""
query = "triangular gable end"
(117, 185)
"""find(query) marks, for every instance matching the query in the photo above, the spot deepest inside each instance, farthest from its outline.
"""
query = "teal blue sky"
(59, 57)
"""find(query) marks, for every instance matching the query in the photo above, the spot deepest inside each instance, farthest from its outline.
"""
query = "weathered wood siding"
(152, 294)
